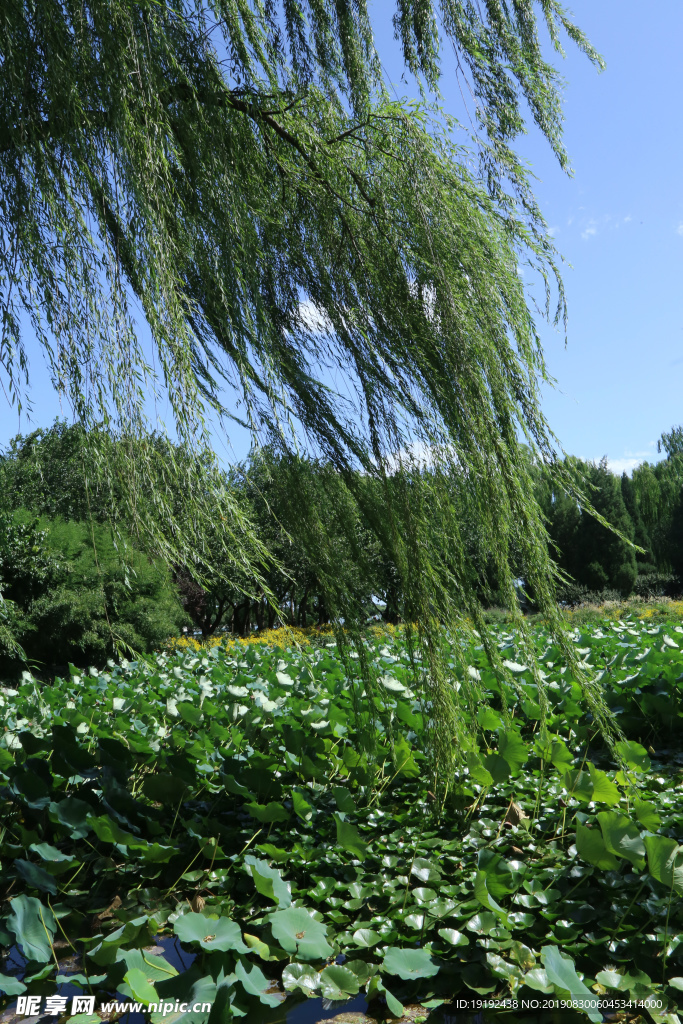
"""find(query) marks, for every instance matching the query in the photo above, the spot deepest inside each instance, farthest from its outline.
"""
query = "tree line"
(78, 584)
(647, 510)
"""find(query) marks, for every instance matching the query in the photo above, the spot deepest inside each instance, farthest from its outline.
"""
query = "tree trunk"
(302, 609)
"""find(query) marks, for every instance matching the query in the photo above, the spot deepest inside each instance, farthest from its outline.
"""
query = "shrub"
(657, 584)
(576, 595)
(77, 597)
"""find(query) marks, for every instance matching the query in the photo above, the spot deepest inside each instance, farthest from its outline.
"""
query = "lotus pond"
(248, 828)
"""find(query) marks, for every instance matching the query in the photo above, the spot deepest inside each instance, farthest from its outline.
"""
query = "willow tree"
(236, 172)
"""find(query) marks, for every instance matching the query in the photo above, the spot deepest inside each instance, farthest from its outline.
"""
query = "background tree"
(641, 534)
(76, 591)
(77, 598)
(594, 556)
(310, 523)
(671, 441)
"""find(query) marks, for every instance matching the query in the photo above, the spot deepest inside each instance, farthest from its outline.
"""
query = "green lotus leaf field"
(275, 819)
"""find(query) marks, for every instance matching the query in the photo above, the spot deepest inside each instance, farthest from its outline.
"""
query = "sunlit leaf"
(269, 881)
(622, 837)
(665, 861)
(409, 964)
(33, 926)
(561, 972)
(210, 932)
(299, 933)
(349, 838)
(591, 847)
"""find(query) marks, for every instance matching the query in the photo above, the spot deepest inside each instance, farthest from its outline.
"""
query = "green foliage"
(561, 972)
(33, 926)
(591, 554)
(648, 511)
(242, 178)
(325, 556)
(69, 473)
(671, 441)
(79, 597)
(50, 472)
(28, 565)
(658, 490)
(516, 888)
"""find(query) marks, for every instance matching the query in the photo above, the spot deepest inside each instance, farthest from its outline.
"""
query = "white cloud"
(312, 318)
(420, 455)
(553, 231)
(679, 229)
(641, 455)
(630, 460)
(625, 465)
(594, 225)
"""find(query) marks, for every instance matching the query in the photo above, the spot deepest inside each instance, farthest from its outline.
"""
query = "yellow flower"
(281, 636)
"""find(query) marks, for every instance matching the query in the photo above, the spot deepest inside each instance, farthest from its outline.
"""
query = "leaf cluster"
(237, 802)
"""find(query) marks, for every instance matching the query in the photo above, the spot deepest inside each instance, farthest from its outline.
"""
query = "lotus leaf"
(343, 799)
(268, 813)
(394, 1006)
(190, 988)
(453, 937)
(665, 862)
(139, 987)
(11, 986)
(488, 719)
(361, 969)
(497, 767)
(34, 926)
(298, 932)
(512, 749)
(269, 881)
(591, 847)
(73, 813)
(482, 923)
(210, 932)
(155, 968)
(604, 790)
(35, 876)
(366, 937)
(622, 837)
(389, 683)
(168, 800)
(425, 870)
(409, 964)
(301, 976)
(349, 838)
(537, 979)
(53, 856)
(647, 815)
(635, 755)
(562, 973)
(255, 983)
(338, 983)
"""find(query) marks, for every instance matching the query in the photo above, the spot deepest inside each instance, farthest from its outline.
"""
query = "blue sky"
(618, 222)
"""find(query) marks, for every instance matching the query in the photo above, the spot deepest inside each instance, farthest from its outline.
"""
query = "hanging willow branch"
(236, 171)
